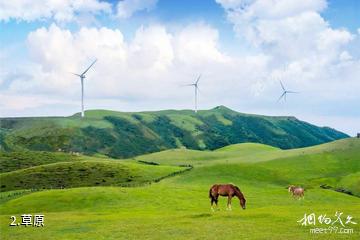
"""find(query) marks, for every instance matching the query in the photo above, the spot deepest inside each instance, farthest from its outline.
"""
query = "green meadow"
(165, 202)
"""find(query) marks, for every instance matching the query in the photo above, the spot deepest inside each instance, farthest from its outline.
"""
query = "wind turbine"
(82, 77)
(196, 88)
(283, 95)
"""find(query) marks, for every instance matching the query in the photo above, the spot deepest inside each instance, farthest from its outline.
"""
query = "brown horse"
(224, 190)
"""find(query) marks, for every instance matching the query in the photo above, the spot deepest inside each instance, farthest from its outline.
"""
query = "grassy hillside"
(179, 208)
(336, 164)
(244, 152)
(10, 161)
(84, 173)
(119, 134)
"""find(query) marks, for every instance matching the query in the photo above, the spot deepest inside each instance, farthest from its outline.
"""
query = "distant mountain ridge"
(126, 134)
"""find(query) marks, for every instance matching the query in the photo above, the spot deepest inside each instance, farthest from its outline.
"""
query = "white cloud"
(198, 43)
(151, 67)
(148, 69)
(60, 11)
(57, 52)
(289, 29)
(126, 8)
(151, 48)
(251, 9)
(154, 58)
(19, 103)
(293, 34)
(345, 56)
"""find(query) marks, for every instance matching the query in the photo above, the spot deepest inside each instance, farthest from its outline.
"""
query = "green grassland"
(10, 161)
(47, 170)
(129, 134)
(178, 207)
(83, 173)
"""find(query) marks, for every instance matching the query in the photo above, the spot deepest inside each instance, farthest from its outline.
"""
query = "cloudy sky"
(148, 49)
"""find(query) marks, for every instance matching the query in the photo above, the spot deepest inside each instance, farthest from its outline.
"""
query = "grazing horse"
(224, 190)
(296, 191)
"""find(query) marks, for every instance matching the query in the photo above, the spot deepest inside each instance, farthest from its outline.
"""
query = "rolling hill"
(123, 135)
(47, 170)
(335, 164)
(178, 207)
(84, 173)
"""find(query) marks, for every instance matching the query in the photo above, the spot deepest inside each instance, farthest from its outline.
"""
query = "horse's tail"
(210, 196)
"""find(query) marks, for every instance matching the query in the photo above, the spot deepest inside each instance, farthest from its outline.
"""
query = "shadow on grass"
(202, 215)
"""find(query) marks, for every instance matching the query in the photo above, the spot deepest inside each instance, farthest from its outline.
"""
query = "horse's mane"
(239, 193)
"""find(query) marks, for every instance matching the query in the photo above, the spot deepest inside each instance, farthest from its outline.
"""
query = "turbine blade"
(292, 92)
(198, 79)
(282, 95)
(89, 67)
(75, 74)
(282, 86)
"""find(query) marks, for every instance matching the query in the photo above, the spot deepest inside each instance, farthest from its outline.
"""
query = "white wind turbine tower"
(82, 77)
(196, 88)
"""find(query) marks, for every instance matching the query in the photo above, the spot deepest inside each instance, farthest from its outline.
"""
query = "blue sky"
(339, 13)
(343, 14)
(147, 49)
